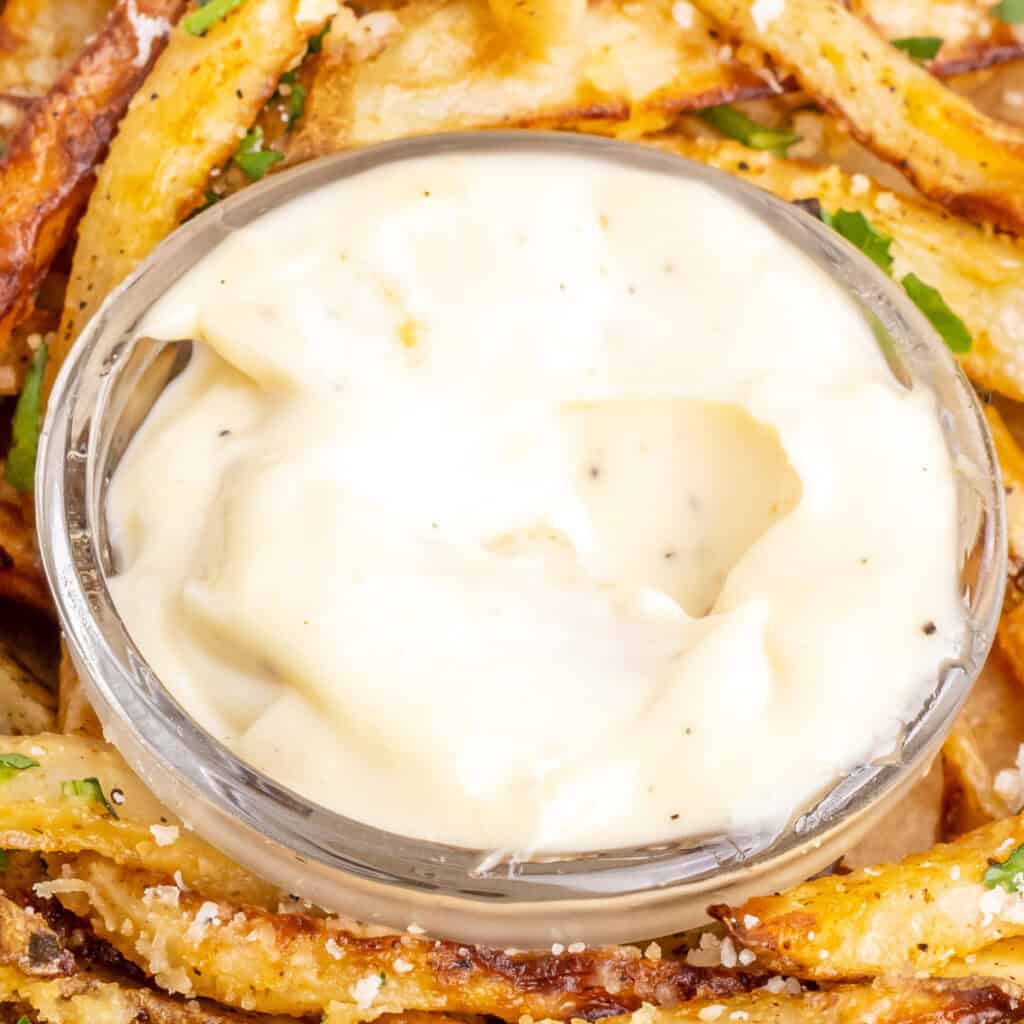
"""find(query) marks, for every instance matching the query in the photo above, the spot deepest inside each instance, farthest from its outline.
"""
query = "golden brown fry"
(539, 24)
(201, 97)
(978, 273)
(27, 943)
(35, 816)
(916, 915)
(74, 712)
(947, 147)
(439, 65)
(972, 37)
(972, 1001)
(48, 172)
(26, 706)
(239, 956)
(88, 999)
(970, 799)
(1011, 462)
(1003, 960)
(40, 38)
(21, 574)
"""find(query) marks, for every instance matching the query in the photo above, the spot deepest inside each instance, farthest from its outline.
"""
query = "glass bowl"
(103, 393)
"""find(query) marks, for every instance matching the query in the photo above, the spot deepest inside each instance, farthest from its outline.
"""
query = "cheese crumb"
(653, 952)
(859, 184)
(315, 12)
(165, 835)
(557, 949)
(366, 990)
(1009, 783)
(764, 12)
(415, 929)
(749, 921)
(577, 947)
(205, 915)
(683, 14)
(148, 30)
(334, 951)
(402, 966)
(728, 952)
(163, 895)
(711, 1012)
(746, 957)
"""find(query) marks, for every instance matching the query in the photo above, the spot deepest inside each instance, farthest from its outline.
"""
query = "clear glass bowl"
(105, 390)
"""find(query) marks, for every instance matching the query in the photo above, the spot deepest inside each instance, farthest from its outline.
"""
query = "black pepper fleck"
(928, 628)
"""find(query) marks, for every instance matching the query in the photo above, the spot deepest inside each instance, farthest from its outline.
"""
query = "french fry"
(34, 815)
(293, 964)
(971, 799)
(539, 24)
(40, 38)
(952, 152)
(48, 172)
(977, 272)
(90, 999)
(1011, 463)
(916, 915)
(26, 706)
(1004, 960)
(441, 65)
(201, 97)
(910, 1002)
(28, 944)
(21, 574)
(972, 37)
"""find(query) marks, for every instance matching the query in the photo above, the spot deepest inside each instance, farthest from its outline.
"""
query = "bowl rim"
(190, 769)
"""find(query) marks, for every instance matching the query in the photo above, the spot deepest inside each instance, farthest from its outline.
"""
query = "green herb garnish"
(209, 13)
(87, 789)
(296, 96)
(734, 123)
(5, 861)
(316, 43)
(1010, 11)
(858, 230)
(941, 317)
(21, 459)
(11, 764)
(254, 160)
(24, 1020)
(1007, 874)
(919, 47)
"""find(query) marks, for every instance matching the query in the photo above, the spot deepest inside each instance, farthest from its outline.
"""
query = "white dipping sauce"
(535, 503)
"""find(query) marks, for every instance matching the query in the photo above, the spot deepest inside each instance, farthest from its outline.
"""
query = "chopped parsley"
(736, 125)
(24, 1020)
(252, 158)
(21, 459)
(927, 299)
(857, 230)
(210, 198)
(316, 43)
(919, 47)
(1010, 11)
(87, 789)
(5, 862)
(296, 106)
(200, 21)
(11, 764)
(1007, 874)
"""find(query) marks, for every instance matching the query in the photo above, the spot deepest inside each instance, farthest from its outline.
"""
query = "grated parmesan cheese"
(366, 990)
(165, 835)
(764, 12)
(148, 30)
(683, 14)
(711, 1012)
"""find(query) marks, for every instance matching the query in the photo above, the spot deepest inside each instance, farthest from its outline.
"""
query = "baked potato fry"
(952, 152)
(972, 37)
(294, 964)
(895, 1002)
(40, 38)
(977, 272)
(89, 999)
(442, 65)
(26, 706)
(48, 172)
(35, 815)
(539, 24)
(971, 799)
(21, 574)
(916, 915)
(203, 94)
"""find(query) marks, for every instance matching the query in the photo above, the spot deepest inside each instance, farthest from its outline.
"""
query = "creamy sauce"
(535, 503)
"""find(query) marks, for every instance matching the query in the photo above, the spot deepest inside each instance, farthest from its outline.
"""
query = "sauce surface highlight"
(535, 503)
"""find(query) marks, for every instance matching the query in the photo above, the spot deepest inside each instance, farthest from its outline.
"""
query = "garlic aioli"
(533, 503)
